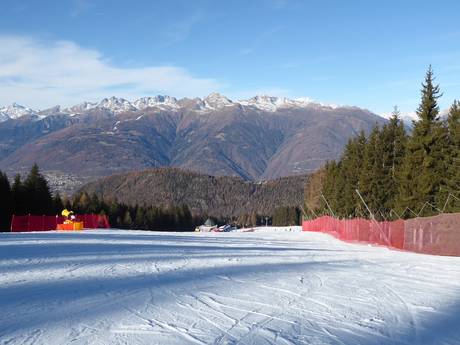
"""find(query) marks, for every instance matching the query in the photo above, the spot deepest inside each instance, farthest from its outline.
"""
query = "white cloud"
(40, 74)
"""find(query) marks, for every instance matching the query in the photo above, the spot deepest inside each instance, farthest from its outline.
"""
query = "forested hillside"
(222, 196)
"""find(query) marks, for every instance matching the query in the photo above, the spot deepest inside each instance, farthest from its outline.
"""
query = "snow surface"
(264, 287)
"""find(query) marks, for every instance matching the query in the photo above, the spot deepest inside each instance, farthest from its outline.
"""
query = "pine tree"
(393, 142)
(139, 221)
(372, 173)
(187, 218)
(332, 189)
(350, 167)
(58, 204)
(422, 171)
(20, 205)
(6, 202)
(127, 220)
(39, 199)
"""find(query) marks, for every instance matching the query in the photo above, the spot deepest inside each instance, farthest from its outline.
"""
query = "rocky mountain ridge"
(118, 105)
(257, 139)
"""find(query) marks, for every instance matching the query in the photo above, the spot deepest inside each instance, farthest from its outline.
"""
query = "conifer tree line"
(33, 196)
(29, 196)
(399, 173)
(173, 218)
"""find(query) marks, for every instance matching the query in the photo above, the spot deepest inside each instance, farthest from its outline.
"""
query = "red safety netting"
(47, 223)
(432, 235)
(385, 233)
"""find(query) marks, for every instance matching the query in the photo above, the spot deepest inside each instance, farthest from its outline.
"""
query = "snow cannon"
(69, 224)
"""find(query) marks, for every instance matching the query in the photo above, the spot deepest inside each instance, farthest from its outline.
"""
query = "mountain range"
(259, 138)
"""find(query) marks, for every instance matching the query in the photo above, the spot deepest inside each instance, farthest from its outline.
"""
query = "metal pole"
(448, 197)
(330, 209)
(373, 218)
(393, 211)
(309, 209)
(432, 206)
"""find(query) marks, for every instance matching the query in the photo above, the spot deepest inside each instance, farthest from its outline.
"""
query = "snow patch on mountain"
(4, 117)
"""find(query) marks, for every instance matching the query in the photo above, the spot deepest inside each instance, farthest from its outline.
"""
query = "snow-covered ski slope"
(132, 287)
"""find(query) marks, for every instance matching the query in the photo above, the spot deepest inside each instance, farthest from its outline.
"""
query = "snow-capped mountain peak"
(216, 101)
(15, 111)
(161, 101)
(116, 105)
(270, 103)
(79, 108)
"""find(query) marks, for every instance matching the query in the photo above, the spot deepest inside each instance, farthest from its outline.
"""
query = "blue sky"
(372, 54)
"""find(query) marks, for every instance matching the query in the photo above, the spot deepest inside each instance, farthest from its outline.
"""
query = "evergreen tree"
(127, 220)
(140, 222)
(422, 171)
(6, 202)
(332, 189)
(39, 199)
(393, 148)
(20, 205)
(187, 218)
(350, 167)
(58, 204)
(372, 173)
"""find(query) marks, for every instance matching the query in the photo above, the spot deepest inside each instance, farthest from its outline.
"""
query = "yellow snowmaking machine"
(70, 223)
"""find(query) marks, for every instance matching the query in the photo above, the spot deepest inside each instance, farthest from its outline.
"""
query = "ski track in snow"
(133, 287)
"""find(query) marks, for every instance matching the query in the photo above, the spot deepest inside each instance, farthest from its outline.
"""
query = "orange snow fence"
(439, 235)
(47, 223)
